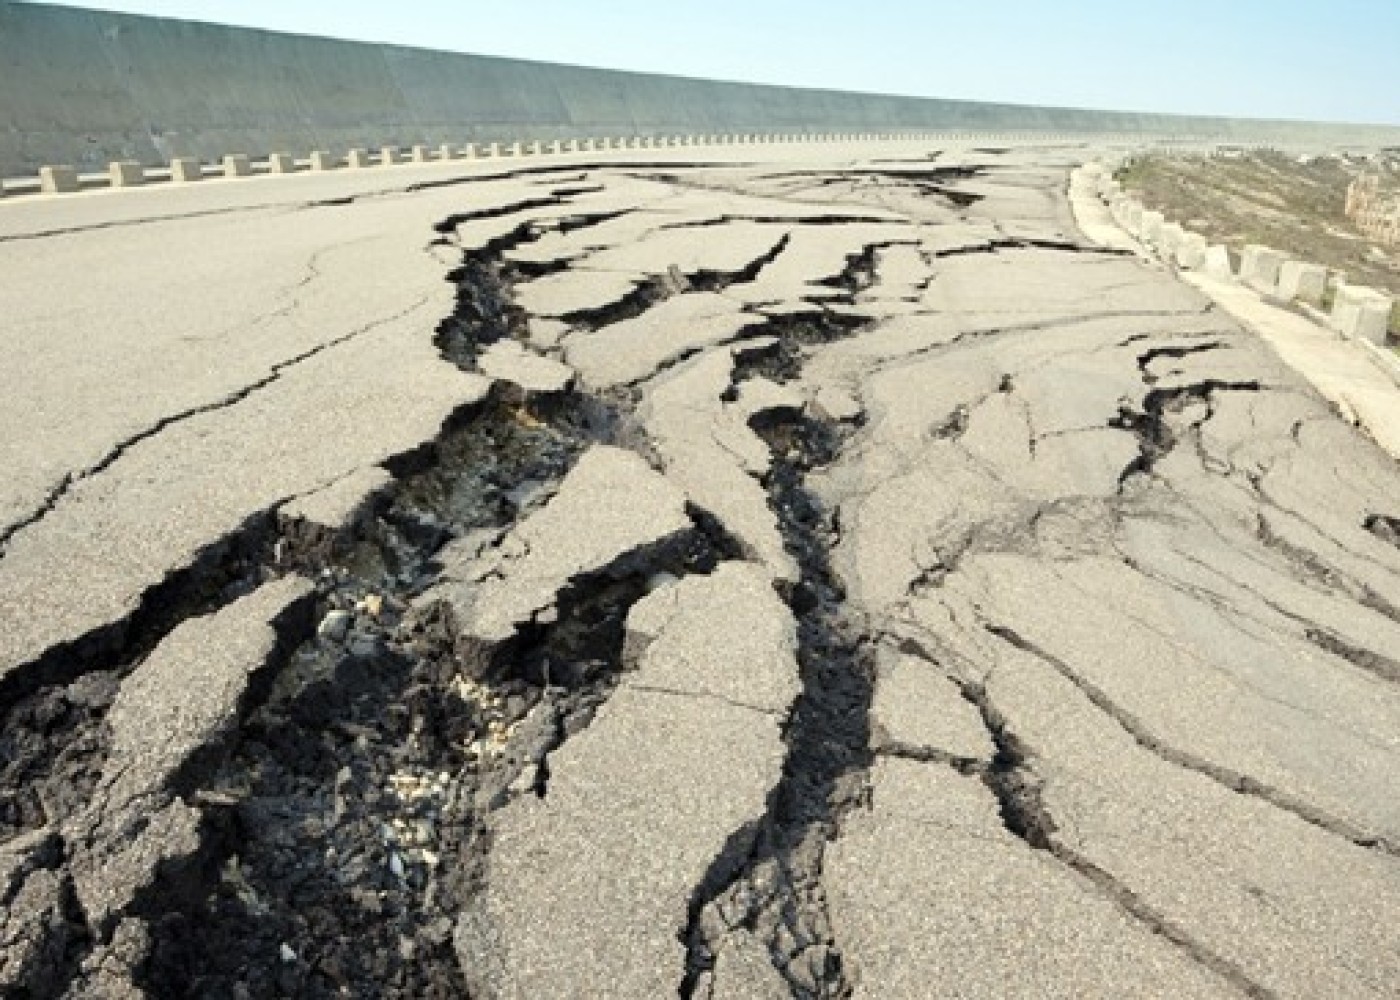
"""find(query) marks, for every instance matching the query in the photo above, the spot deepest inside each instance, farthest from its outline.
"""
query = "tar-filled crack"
(775, 891)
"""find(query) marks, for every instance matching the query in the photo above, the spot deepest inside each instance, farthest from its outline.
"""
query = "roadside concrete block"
(421, 154)
(388, 156)
(58, 180)
(238, 165)
(1302, 281)
(322, 159)
(357, 158)
(1168, 240)
(185, 169)
(1259, 267)
(127, 173)
(447, 151)
(1132, 217)
(1150, 229)
(1192, 252)
(281, 163)
(1362, 313)
(1216, 264)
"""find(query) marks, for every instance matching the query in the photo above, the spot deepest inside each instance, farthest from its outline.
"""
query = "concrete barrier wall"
(89, 87)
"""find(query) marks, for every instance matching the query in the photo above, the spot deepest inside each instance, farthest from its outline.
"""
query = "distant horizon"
(1072, 45)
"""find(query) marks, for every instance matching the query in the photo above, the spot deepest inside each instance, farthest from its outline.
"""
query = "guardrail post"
(186, 169)
(1361, 312)
(58, 180)
(127, 173)
(1259, 267)
(237, 165)
(1302, 281)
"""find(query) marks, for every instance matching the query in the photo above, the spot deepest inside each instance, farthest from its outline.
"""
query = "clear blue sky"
(1331, 60)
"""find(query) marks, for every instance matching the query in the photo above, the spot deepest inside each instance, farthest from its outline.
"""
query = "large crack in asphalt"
(362, 784)
(346, 826)
(775, 891)
(1011, 778)
(340, 830)
(1155, 426)
(1230, 779)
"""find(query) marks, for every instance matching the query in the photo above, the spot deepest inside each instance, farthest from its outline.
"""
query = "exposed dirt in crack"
(345, 824)
(352, 808)
(52, 741)
(348, 825)
(776, 892)
(364, 783)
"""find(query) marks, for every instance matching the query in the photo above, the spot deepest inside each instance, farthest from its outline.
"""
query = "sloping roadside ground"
(785, 581)
(1293, 204)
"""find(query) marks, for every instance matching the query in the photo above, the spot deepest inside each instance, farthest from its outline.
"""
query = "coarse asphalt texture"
(808, 572)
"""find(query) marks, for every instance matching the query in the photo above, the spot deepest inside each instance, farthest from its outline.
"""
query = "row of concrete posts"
(121, 174)
(1356, 310)
(125, 174)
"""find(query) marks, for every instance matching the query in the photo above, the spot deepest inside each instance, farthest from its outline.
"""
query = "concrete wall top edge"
(85, 87)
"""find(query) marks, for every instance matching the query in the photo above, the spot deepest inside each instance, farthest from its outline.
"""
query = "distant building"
(1374, 210)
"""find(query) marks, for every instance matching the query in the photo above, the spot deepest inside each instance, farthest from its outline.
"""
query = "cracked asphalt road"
(829, 577)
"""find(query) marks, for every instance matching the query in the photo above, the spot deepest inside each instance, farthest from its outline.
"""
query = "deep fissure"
(776, 891)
